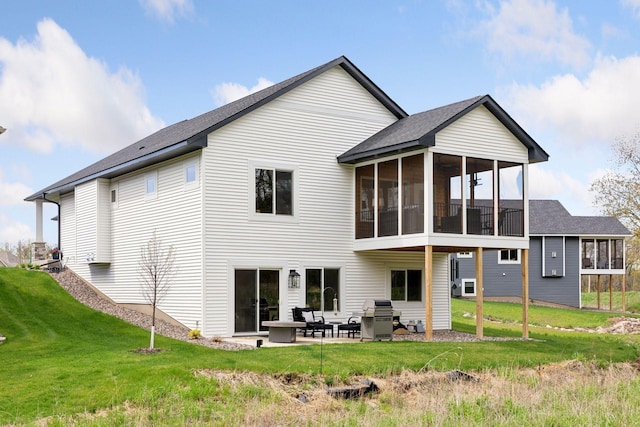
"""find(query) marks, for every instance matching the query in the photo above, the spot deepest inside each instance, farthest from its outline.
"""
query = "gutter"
(124, 167)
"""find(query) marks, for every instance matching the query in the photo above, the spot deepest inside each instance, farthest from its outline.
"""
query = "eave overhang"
(193, 144)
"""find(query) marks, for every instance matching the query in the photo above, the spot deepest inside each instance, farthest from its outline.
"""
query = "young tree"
(156, 270)
(617, 193)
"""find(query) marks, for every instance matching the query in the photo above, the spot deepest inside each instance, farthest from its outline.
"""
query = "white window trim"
(517, 261)
(462, 255)
(147, 176)
(465, 294)
(273, 217)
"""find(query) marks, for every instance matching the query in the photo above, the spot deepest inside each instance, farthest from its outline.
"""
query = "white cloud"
(611, 31)
(12, 231)
(168, 10)
(534, 29)
(228, 92)
(12, 193)
(53, 93)
(595, 110)
(572, 193)
(634, 5)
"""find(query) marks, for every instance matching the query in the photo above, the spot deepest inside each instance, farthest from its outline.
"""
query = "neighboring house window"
(274, 191)
(617, 254)
(602, 248)
(151, 185)
(319, 282)
(468, 287)
(465, 254)
(509, 256)
(406, 285)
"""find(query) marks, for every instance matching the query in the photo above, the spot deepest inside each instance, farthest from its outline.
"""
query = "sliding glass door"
(257, 295)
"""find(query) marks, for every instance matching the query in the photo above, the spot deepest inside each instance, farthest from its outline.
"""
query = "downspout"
(44, 197)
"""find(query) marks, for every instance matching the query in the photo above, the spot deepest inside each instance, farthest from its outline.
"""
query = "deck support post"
(479, 294)
(624, 290)
(599, 278)
(525, 293)
(428, 292)
(610, 292)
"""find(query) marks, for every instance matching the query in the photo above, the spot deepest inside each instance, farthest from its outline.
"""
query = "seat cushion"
(308, 316)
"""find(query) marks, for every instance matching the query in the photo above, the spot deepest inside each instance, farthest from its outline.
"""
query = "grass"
(73, 364)
(632, 300)
(538, 315)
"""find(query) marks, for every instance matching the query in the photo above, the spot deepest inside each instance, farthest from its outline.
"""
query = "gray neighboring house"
(562, 248)
(8, 259)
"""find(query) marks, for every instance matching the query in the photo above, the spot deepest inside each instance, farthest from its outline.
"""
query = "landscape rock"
(85, 294)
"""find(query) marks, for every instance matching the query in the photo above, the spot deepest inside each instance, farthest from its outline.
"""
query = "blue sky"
(79, 80)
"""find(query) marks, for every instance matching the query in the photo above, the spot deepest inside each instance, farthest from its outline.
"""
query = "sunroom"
(452, 179)
(464, 196)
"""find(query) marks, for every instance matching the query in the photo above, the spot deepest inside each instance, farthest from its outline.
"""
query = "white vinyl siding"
(367, 278)
(93, 221)
(176, 216)
(479, 133)
(306, 129)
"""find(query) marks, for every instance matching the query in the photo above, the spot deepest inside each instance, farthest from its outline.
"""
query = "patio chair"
(313, 323)
(352, 327)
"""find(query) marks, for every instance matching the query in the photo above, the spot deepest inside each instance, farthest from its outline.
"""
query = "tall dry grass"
(565, 394)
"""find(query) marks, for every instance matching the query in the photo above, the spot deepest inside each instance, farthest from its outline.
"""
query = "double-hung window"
(273, 191)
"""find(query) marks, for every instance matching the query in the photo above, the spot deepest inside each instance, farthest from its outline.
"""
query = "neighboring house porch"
(563, 249)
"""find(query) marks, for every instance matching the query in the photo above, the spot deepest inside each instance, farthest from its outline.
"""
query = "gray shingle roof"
(418, 131)
(191, 135)
(549, 217)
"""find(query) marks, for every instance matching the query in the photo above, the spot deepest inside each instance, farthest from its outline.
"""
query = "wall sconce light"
(294, 279)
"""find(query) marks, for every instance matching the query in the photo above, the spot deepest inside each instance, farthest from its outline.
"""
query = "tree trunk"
(153, 325)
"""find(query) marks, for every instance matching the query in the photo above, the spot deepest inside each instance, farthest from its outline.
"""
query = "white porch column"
(39, 237)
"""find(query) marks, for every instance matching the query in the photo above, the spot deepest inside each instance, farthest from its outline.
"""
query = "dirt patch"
(146, 350)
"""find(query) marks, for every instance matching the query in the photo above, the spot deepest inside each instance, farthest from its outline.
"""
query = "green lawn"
(538, 315)
(62, 358)
(632, 299)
